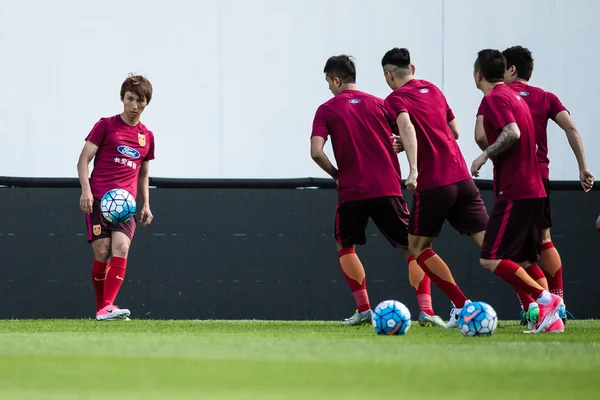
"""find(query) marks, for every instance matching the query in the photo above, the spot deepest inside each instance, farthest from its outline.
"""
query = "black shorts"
(390, 215)
(547, 222)
(99, 228)
(514, 231)
(460, 203)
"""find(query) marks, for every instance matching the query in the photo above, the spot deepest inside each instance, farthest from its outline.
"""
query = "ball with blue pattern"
(391, 318)
(477, 319)
(118, 206)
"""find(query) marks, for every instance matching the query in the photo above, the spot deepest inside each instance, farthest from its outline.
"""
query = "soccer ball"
(118, 206)
(391, 318)
(477, 319)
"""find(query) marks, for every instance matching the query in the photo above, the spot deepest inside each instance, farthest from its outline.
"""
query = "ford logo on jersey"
(524, 93)
(354, 101)
(128, 151)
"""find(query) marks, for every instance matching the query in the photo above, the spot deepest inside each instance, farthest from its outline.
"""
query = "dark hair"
(522, 59)
(341, 67)
(397, 57)
(491, 64)
(139, 85)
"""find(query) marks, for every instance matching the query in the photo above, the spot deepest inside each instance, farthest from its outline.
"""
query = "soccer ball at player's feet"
(477, 319)
(117, 206)
(391, 318)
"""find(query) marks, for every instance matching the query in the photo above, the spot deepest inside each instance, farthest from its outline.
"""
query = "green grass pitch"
(146, 359)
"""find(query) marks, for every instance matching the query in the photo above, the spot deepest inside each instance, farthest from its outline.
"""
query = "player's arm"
(83, 171)
(454, 128)
(317, 146)
(143, 197)
(480, 137)
(408, 136)
(564, 120)
(507, 138)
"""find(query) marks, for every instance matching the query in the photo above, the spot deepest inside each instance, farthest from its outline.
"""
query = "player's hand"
(411, 181)
(86, 202)
(587, 179)
(598, 224)
(146, 216)
(478, 163)
(397, 145)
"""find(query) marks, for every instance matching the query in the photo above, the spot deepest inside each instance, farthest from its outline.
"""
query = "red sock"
(355, 276)
(524, 298)
(98, 280)
(422, 285)
(552, 265)
(440, 274)
(518, 278)
(114, 279)
(535, 272)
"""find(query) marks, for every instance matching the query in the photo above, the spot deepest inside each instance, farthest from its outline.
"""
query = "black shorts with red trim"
(459, 203)
(390, 215)
(514, 231)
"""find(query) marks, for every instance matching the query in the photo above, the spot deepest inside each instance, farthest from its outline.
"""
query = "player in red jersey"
(368, 182)
(443, 187)
(513, 234)
(544, 106)
(122, 148)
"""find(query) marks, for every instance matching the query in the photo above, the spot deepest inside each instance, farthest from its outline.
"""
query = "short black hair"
(341, 67)
(397, 57)
(491, 64)
(521, 58)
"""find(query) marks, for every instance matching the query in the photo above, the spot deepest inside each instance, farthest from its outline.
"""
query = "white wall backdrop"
(237, 82)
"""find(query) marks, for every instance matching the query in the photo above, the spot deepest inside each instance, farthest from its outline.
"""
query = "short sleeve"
(394, 105)
(480, 110)
(449, 114)
(499, 111)
(98, 133)
(555, 106)
(150, 155)
(320, 123)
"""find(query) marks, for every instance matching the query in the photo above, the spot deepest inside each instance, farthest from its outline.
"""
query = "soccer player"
(368, 182)
(443, 187)
(513, 234)
(122, 148)
(544, 106)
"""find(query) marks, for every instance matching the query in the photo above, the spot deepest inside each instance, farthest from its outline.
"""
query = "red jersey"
(543, 106)
(360, 134)
(516, 173)
(439, 159)
(121, 150)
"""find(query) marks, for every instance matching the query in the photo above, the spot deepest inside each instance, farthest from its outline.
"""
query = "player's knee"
(120, 249)
(102, 252)
(546, 236)
(490, 265)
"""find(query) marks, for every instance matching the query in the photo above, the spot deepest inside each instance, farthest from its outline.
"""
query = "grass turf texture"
(145, 359)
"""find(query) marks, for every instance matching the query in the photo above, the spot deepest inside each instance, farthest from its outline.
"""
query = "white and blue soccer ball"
(118, 206)
(391, 318)
(477, 319)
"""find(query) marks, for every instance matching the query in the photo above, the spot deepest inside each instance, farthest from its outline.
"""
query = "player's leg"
(513, 234)
(427, 217)
(121, 237)
(350, 223)
(99, 237)
(391, 216)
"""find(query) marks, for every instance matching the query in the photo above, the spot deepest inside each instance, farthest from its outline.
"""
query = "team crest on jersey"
(142, 139)
(97, 230)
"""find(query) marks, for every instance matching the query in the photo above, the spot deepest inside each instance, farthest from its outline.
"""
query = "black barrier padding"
(247, 253)
(173, 183)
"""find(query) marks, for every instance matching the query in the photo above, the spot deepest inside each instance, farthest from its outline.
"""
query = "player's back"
(543, 106)
(516, 173)
(439, 159)
(361, 134)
